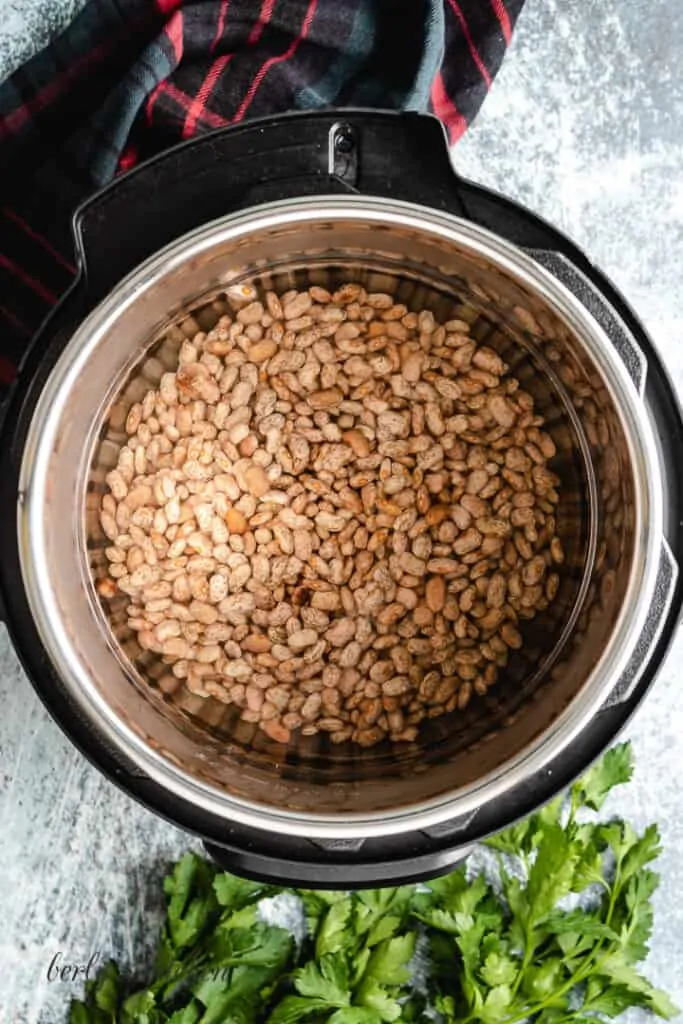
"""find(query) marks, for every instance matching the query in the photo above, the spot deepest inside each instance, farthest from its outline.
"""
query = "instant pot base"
(326, 862)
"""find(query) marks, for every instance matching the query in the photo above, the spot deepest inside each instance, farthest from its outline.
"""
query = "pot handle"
(635, 361)
(327, 869)
(567, 274)
(18, 401)
(384, 153)
(665, 585)
(40, 354)
(353, 863)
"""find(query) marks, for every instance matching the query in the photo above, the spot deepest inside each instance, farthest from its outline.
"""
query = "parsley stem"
(529, 951)
(584, 972)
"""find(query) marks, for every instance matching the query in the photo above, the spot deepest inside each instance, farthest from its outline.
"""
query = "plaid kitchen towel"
(129, 78)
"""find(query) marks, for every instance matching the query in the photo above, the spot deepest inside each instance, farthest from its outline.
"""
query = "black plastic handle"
(393, 154)
(404, 156)
(353, 863)
(280, 869)
(20, 398)
(40, 357)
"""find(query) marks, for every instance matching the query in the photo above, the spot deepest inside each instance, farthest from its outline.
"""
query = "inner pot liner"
(595, 521)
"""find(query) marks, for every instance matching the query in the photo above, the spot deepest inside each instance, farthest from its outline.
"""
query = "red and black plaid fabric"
(129, 78)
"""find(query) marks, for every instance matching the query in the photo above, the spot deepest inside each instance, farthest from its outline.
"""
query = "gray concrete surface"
(26, 26)
(584, 125)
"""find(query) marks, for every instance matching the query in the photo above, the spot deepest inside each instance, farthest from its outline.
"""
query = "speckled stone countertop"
(585, 126)
(26, 26)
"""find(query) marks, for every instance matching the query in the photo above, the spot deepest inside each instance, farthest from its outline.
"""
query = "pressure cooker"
(345, 195)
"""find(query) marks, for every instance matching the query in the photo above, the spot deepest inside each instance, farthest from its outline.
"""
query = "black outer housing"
(402, 156)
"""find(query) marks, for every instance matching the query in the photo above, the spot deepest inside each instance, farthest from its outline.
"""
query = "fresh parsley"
(553, 935)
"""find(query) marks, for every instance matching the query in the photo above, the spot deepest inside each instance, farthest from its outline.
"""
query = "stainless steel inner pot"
(609, 519)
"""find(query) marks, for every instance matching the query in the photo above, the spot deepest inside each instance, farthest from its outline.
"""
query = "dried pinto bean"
(333, 513)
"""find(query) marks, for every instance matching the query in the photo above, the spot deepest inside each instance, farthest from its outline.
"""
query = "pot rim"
(606, 672)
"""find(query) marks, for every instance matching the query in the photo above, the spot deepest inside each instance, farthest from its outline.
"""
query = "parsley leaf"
(191, 902)
(494, 950)
(328, 979)
(620, 971)
(388, 963)
(295, 1008)
(552, 873)
(189, 1015)
(496, 1004)
(377, 998)
(355, 1015)
(234, 893)
(103, 998)
(499, 970)
(333, 933)
(614, 769)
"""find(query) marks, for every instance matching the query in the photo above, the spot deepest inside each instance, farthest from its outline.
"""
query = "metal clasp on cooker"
(343, 153)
